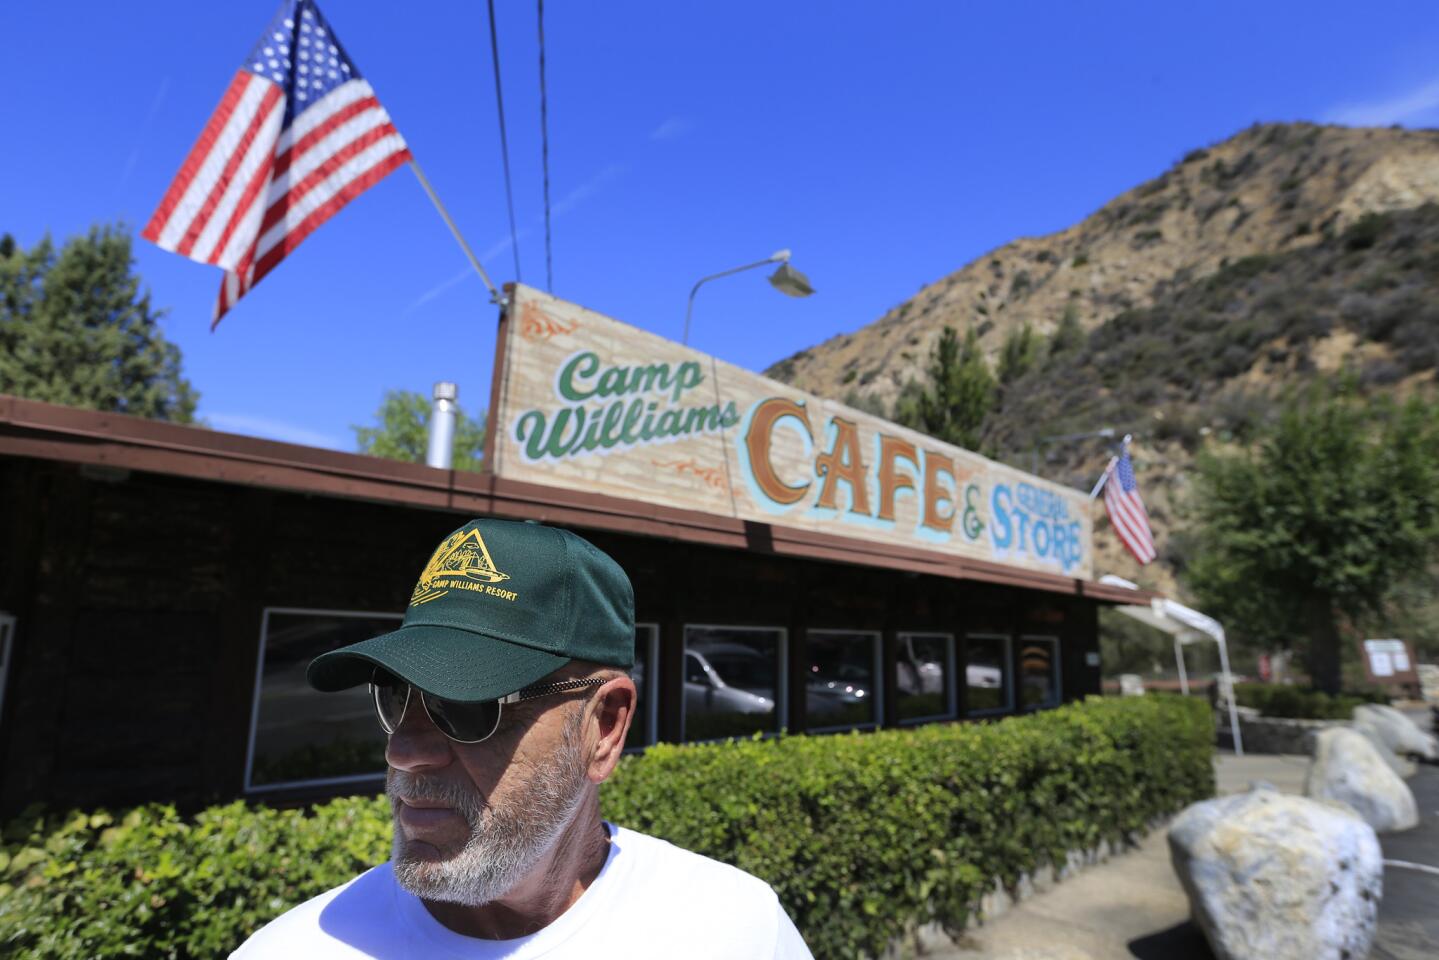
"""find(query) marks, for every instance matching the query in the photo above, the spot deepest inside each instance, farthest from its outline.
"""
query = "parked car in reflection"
(917, 672)
(840, 689)
(919, 676)
(986, 678)
(728, 678)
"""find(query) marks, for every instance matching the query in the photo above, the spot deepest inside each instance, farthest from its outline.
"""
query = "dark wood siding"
(139, 599)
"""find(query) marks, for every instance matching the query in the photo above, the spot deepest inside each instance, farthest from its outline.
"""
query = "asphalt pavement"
(1132, 906)
(1409, 912)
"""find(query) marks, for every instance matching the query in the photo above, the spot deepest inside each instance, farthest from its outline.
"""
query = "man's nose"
(417, 744)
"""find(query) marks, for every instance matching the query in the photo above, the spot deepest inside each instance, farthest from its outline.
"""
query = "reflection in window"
(733, 678)
(1038, 672)
(641, 729)
(923, 676)
(299, 733)
(986, 673)
(841, 678)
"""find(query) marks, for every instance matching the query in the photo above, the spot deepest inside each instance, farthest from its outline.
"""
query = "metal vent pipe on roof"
(442, 426)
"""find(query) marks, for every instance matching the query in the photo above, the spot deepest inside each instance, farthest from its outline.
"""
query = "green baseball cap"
(500, 605)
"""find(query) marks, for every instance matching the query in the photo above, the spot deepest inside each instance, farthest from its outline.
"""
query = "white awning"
(1185, 625)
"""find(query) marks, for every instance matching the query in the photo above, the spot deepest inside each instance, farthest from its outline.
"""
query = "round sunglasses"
(461, 721)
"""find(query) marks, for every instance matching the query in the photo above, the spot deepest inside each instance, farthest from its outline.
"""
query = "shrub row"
(863, 836)
(1281, 700)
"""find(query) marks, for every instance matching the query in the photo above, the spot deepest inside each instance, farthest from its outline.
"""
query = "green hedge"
(1282, 700)
(863, 836)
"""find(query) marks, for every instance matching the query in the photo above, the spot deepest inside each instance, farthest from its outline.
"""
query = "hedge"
(863, 836)
(1282, 700)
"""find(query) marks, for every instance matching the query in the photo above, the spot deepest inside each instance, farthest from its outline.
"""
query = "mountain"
(1284, 252)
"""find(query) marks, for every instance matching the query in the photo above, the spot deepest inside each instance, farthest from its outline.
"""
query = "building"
(162, 587)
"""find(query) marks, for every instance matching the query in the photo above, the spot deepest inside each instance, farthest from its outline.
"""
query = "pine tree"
(960, 393)
(1069, 335)
(1019, 354)
(76, 329)
(403, 432)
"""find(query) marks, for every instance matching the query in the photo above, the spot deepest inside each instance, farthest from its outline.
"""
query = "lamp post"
(786, 279)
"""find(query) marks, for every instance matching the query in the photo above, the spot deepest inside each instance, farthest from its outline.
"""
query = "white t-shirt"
(650, 900)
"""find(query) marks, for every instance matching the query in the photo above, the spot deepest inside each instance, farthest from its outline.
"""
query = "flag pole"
(495, 295)
(1109, 467)
(1103, 477)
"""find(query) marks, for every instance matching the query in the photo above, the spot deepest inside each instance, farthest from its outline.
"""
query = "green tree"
(960, 393)
(403, 431)
(1069, 335)
(1019, 354)
(76, 329)
(1323, 521)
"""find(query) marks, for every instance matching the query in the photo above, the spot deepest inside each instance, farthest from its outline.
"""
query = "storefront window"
(642, 726)
(1038, 672)
(842, 679)
(924, 676)
(733, 681)
(986, 674)
(300, 735)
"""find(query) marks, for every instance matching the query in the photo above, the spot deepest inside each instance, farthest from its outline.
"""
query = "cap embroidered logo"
(462, 557)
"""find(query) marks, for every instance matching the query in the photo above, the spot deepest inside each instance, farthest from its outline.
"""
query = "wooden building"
(162, 588)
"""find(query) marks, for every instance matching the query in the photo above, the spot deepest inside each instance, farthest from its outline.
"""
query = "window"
(642, 727)
(1038, 672)
(299, 735)
(986, 674)
(7, 640)
(734, 681)
(924, 677)
(841, 688)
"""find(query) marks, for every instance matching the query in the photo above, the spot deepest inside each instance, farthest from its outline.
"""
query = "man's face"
(472, 819)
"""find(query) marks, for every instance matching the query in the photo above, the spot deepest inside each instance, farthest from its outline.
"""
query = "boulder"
(1272, 875)
(1399, 733)
(1400, 765)
(1347, 769)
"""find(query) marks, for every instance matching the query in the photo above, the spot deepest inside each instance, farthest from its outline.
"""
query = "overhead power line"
(504, 139)
(545, 155)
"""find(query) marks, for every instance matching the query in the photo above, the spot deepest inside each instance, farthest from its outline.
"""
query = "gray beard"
(505, 842)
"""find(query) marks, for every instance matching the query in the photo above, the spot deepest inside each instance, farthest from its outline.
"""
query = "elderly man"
(506, 700)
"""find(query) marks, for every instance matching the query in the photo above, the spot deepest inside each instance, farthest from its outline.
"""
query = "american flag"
(297, 135)
(1126, 511)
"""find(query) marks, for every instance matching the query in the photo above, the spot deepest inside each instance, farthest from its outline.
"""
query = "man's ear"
(613, 711)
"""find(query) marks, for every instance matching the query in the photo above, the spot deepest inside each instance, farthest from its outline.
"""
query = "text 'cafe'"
(798, 565)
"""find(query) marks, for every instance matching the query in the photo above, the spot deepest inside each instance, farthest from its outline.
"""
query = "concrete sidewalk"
(1133, 905)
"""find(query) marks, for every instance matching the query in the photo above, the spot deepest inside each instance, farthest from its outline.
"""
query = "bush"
(1296, 703)
(862, 836)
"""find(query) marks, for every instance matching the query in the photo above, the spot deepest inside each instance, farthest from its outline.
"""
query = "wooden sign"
(588, 403)
(1389, 662)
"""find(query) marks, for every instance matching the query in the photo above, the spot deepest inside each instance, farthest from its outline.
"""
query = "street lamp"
(786, 279)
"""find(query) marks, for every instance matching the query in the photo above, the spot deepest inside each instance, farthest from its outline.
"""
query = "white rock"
(1399, 733)
(1400, 765)
(1347, 769)
(1271, 875)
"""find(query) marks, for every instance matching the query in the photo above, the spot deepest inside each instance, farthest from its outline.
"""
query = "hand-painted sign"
(587, 402)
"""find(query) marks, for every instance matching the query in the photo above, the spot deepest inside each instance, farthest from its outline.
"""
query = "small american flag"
(1126, 511)
(297, 135)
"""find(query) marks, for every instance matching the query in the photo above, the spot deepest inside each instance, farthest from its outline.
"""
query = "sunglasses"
(461, 721)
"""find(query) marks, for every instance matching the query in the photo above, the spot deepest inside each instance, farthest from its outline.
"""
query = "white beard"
(505, 843)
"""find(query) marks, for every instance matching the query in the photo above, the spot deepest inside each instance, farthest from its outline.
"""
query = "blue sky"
(886, 144)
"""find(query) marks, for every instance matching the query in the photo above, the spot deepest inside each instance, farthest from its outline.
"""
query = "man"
(506, 700)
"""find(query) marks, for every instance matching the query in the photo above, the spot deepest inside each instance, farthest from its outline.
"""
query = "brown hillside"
(1249, 268)
(1271, 188)
(1208, 361)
